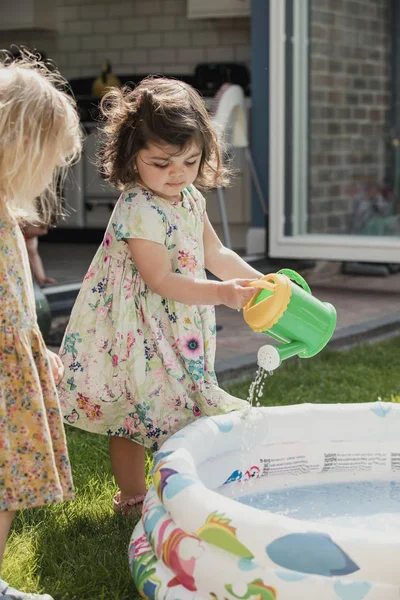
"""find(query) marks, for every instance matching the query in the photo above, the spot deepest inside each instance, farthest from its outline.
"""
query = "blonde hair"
(39, 136)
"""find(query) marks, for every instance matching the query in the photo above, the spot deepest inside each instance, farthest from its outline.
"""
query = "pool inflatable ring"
(197, 542)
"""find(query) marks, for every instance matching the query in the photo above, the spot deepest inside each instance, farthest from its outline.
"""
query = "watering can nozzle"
(268, 358)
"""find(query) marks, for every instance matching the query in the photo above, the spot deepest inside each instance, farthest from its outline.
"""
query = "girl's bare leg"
(128, 466)
(5, 590)
(5, 524)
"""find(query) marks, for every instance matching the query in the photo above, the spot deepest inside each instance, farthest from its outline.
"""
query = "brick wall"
(137, 36)
(350, 105)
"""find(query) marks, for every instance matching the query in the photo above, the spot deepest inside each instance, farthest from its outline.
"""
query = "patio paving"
(367, 307)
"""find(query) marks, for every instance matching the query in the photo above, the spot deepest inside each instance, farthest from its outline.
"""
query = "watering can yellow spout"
(285, 309)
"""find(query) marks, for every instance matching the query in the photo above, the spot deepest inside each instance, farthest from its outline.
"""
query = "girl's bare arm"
(153, 263)
(221, 261)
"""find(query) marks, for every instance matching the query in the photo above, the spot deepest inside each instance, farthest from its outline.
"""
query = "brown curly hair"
(158, 110)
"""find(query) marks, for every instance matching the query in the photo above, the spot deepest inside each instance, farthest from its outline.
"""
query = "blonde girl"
(39, 133)
(140, 345)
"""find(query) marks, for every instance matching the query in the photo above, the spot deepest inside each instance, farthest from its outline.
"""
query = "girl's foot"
(131, 507)
(7, 593)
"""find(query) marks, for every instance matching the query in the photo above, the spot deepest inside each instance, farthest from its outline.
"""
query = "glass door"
(334, 147)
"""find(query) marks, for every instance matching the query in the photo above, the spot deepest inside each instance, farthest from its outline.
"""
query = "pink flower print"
(102, 312)
(196, 410)
(109, 391)
(175, 348)
(90, 273)
(187, 260)
(73, 417)
(102, 344)
(192, 346)
(107, 240)
(106, 258)
(128, 287)
(83, 401)
(130, 425)
(115, 360)
(40, 437)
(169, 363)
(130, 339)
(93, 412)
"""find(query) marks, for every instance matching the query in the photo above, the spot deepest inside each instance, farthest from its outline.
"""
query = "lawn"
(78, 551)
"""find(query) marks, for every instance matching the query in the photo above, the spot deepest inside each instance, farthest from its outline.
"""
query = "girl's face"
(166, 170)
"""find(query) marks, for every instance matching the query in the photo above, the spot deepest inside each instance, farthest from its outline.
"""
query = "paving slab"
(367, 307)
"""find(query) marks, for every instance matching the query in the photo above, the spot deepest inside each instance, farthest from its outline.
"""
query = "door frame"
(345, 247)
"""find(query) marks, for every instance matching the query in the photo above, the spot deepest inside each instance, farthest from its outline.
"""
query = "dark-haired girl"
(139, 348)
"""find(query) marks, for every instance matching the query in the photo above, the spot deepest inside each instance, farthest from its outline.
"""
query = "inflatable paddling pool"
(284, 503)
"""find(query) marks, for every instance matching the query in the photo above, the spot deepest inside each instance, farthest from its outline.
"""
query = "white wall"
(137, 36)
(145, 36)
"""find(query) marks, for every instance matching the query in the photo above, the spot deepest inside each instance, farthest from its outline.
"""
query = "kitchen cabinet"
(28, 14)
(90, 199)
(206, 9)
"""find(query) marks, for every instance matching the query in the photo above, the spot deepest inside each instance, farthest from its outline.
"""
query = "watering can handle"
(262, 284)
(296, 278)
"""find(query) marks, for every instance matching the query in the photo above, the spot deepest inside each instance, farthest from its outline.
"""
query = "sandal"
(131, 507)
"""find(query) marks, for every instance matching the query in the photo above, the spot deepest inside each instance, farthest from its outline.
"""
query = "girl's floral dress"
(139, 365)
(34, 465)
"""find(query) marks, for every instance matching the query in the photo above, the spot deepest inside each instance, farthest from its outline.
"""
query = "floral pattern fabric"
(34, 464)
(139, 365)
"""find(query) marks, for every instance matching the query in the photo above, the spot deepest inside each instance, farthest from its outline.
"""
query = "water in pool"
(362, 504)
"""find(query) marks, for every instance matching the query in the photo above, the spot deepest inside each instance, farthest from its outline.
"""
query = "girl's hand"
(56, 366)
(46, 280)
(235, 293)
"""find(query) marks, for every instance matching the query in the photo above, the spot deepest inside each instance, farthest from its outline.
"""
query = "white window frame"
(344, 247)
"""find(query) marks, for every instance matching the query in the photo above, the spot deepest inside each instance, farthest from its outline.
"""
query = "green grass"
(78, 550)
(359, 375)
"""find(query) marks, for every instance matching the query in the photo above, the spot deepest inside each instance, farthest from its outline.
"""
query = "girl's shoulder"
(192, 190)
(137, 195)
(134, 202)
(195, 195)
(138, 213)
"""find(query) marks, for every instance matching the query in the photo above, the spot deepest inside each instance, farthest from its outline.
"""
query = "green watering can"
(286, 310)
